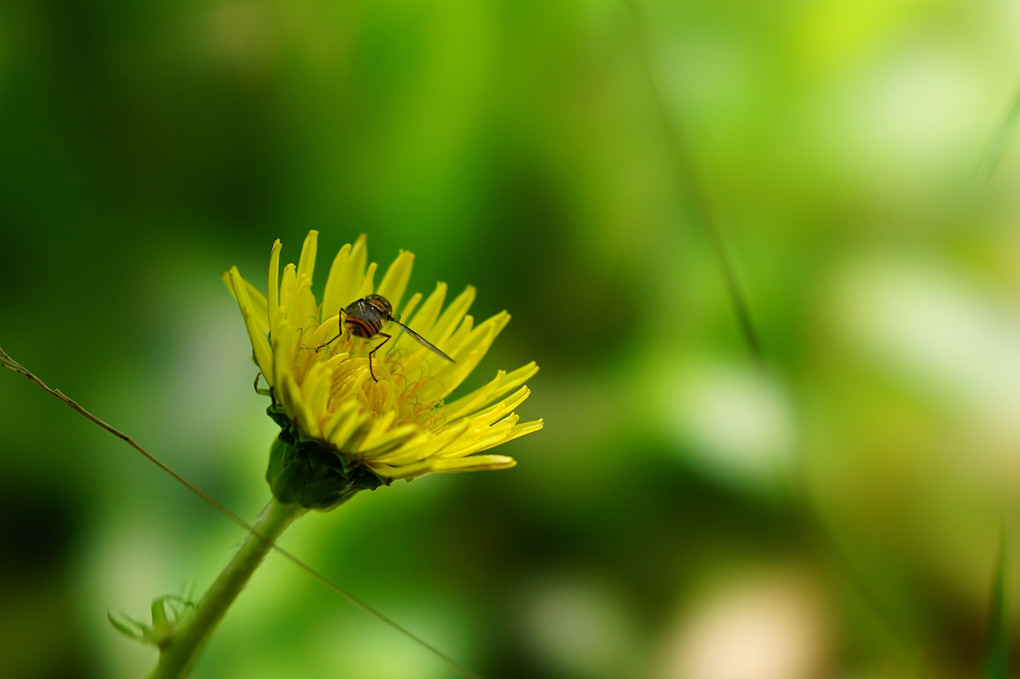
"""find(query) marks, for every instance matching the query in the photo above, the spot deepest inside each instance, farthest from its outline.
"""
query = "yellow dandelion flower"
(351, 420)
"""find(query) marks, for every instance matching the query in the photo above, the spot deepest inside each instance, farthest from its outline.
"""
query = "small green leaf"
(130, 627)
(159, 617)
(165, 620)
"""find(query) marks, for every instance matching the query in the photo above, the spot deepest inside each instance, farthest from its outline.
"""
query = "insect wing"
(421, 340)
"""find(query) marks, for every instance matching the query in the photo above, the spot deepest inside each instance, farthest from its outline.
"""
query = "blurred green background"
(685, 513)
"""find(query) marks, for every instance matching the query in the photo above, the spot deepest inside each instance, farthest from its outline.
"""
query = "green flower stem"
(178, 656)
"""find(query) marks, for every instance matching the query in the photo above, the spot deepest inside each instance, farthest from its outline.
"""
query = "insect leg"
(342, 312)
(375, 349)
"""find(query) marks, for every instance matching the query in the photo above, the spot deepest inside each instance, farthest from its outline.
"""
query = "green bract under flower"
(339, 422)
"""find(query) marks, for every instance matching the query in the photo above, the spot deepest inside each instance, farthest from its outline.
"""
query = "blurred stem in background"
(997, 144)
(688, 185)
(689, 188)
(997, 660)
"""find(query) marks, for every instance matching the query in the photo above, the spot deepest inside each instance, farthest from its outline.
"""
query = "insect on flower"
(365, 319)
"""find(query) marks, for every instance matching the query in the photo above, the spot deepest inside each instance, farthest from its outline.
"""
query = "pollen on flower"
(377, 403)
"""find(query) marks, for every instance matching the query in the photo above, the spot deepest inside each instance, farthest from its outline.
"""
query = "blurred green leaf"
(997, 664)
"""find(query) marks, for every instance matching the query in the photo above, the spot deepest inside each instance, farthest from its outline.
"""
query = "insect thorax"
(366, 316)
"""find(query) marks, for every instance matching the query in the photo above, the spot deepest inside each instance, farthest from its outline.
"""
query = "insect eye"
(381, 303)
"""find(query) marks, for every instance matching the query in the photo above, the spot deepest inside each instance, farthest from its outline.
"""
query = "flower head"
(351, 424)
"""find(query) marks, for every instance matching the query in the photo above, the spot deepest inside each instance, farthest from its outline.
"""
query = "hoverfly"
(365, 319)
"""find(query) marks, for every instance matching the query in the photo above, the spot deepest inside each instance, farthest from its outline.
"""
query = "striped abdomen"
(362, 327)
(366, 316)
